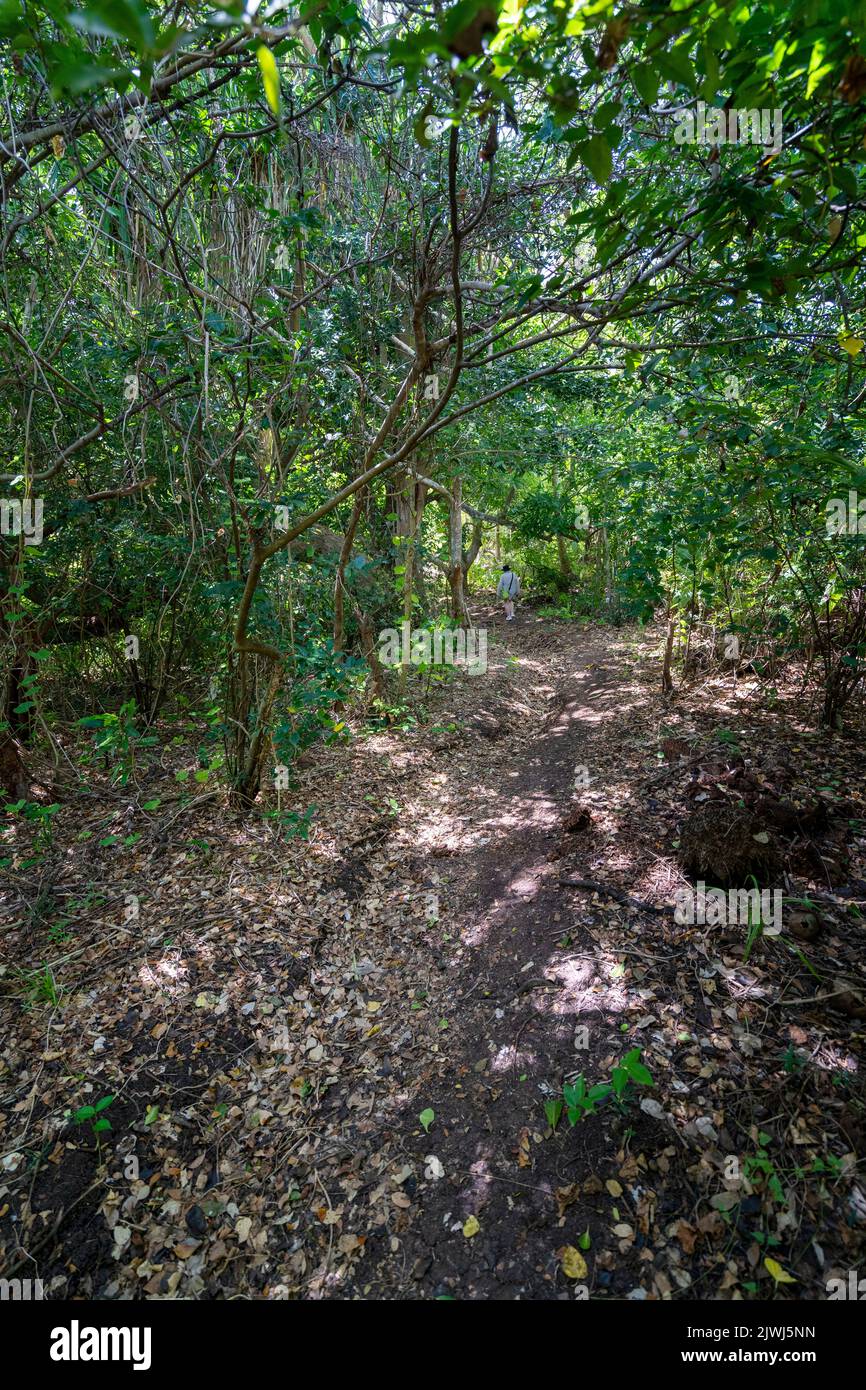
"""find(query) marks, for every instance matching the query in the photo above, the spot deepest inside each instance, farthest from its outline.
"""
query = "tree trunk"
(471, 555)
(417, 496)
(608, 575)
(251, 737)
(667, 679)
(340, 581)
(561, 547)
(456, 572)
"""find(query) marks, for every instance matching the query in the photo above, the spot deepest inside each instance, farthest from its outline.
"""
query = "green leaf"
(606, 114)
(553, 1111)
(427, 1117)
(270, 78)
(600, 1091)
(646, 80)
(675, 64)
(619, 1076)
(117, 19)
(422, 134)
(596, 155)
(639, 1073)
(818, 69)
(575, 1093)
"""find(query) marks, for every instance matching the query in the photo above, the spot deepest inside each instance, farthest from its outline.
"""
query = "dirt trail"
(518, 1002)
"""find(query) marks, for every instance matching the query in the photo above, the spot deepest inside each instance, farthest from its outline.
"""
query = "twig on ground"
(591, 885)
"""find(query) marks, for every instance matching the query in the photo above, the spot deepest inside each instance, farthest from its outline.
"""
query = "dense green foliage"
(298, 306)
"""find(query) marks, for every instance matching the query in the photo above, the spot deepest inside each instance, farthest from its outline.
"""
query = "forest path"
(271, 1031)
(273, 1028)
(525, 984)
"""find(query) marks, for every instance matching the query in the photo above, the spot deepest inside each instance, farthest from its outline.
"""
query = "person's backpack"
(513, 586)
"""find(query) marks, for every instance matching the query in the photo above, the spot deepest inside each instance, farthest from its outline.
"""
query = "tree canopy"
(266, 269)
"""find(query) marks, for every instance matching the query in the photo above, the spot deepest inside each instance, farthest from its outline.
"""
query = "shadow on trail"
(528, 982)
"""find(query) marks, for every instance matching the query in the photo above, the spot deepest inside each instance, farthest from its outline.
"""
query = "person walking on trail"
(508, 589)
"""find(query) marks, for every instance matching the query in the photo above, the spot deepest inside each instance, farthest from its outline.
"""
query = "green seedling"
(94, 1116)
(582, 1100)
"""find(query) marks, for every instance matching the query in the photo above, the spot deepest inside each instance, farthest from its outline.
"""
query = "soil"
(482, 914)
(517, 1001)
